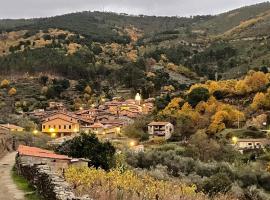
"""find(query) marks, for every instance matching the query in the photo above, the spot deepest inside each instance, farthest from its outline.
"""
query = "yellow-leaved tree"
(12, 91)
(4, 83)
(259, 101)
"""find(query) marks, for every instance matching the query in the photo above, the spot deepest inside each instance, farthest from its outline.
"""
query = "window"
(49, 126)
(59, 126)
(64, 126)
(249, 144)
(54, 126)
(69, 126)
(44, 126)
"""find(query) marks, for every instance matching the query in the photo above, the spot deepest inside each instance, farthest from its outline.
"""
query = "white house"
(242, 144)
(162, 129)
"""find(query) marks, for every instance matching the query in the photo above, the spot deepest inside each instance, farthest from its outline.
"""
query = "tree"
(259, 101)
(184, 128)
(12, 92)
(197, 95)
(4, 83)
(43, 80)
(88, 146)
(202, 147)
(88, 90)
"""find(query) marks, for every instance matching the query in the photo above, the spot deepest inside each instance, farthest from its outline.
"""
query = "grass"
(22, 184)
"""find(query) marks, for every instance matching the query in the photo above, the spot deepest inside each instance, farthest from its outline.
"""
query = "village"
(107, 121)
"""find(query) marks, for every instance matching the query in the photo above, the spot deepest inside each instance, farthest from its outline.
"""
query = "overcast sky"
(42, 8)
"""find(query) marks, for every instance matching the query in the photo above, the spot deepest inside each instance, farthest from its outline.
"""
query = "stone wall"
(6, 143)
(49, 184)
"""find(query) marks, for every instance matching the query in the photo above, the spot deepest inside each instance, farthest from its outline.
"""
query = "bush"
(218, 183)
(197, 95)
(88, 146)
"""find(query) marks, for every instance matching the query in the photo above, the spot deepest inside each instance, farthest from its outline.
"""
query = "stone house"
(161, 129)
(56, 162)
(243, 144)
(102, 129)
(56, 105)
(11, 128)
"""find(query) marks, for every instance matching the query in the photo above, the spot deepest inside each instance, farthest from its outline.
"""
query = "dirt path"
(8, 190)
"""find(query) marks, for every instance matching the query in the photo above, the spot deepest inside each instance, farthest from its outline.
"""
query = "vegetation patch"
(23, 184)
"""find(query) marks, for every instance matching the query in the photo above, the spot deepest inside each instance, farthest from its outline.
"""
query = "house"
(57, 162)
(61, 124)
(163, 129)
(56, 105)
(102, 129)
(244, 144)
(137, 148)
(64, 124)
(96, 128)
(11, 127)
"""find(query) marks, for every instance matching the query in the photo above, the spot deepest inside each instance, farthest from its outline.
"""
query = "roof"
(41, 153)
(158, 123)
(97, 125)
(10, 126)
(66, 120)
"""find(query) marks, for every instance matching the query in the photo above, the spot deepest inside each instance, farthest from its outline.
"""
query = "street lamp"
(234, 140)
(35, 132)
(132, 143)
(53, 135)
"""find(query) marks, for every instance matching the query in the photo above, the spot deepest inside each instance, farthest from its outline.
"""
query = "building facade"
(161, 129)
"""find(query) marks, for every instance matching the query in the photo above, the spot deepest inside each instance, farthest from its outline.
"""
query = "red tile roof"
(97, 125)
(42, 153)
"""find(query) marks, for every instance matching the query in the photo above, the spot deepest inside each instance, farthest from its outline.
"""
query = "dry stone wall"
(49, 184)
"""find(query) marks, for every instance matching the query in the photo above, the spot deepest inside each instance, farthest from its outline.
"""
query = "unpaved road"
(8, 190)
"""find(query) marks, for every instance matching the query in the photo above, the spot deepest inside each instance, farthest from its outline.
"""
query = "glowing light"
(93, 105)
(118, 129)
(103, 100)
(234, 139)
(81, 108)
(35, 132)
(75, 130)
(52, 130)
(53, 135)
(132, 143)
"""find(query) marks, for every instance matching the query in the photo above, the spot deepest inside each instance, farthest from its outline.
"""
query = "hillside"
(99, 46)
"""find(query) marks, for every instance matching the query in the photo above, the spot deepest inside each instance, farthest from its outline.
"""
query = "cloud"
(43, 8)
